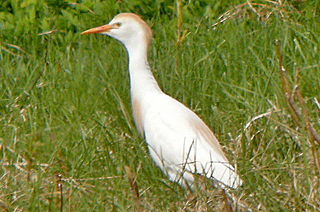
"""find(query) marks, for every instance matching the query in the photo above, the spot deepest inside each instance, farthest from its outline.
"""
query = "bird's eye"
(117, 24)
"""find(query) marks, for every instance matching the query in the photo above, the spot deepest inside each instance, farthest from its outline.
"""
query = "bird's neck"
(142, 82)
(141, 77)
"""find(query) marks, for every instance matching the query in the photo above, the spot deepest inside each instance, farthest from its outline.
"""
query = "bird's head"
(128, 28)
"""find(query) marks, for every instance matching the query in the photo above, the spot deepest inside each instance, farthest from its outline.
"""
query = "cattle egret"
(179, 142)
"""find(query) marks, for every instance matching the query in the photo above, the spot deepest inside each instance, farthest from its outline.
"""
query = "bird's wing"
(177, 137)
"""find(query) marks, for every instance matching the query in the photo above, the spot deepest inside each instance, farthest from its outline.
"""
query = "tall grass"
(67, 133)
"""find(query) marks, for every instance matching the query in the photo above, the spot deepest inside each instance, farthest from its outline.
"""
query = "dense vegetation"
(67, 137)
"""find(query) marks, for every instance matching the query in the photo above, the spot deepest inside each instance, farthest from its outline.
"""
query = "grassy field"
(68, 141)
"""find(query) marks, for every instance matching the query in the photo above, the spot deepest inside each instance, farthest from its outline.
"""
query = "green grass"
(65, 106)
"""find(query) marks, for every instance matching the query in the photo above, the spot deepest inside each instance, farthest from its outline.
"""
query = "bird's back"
(181, 143)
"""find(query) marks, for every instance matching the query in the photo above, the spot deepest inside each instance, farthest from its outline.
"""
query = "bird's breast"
(137, 114)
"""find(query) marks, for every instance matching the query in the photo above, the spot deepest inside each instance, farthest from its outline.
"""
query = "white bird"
(179, 142)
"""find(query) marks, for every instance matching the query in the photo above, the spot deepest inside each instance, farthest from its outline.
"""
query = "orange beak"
(104, 28)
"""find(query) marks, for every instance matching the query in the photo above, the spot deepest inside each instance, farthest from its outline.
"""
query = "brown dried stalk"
(46, 63)
(228, 207)
(134, 188)
(298, 115)
(58, 190)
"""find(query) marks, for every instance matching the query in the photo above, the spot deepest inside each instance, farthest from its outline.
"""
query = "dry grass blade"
(48, 32)
(15, 47)
(316, 102)
(80, 5)
(7, 50)
(263, 10)
(258, 117)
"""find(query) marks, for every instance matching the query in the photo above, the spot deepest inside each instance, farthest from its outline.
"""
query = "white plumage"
(179, 142)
